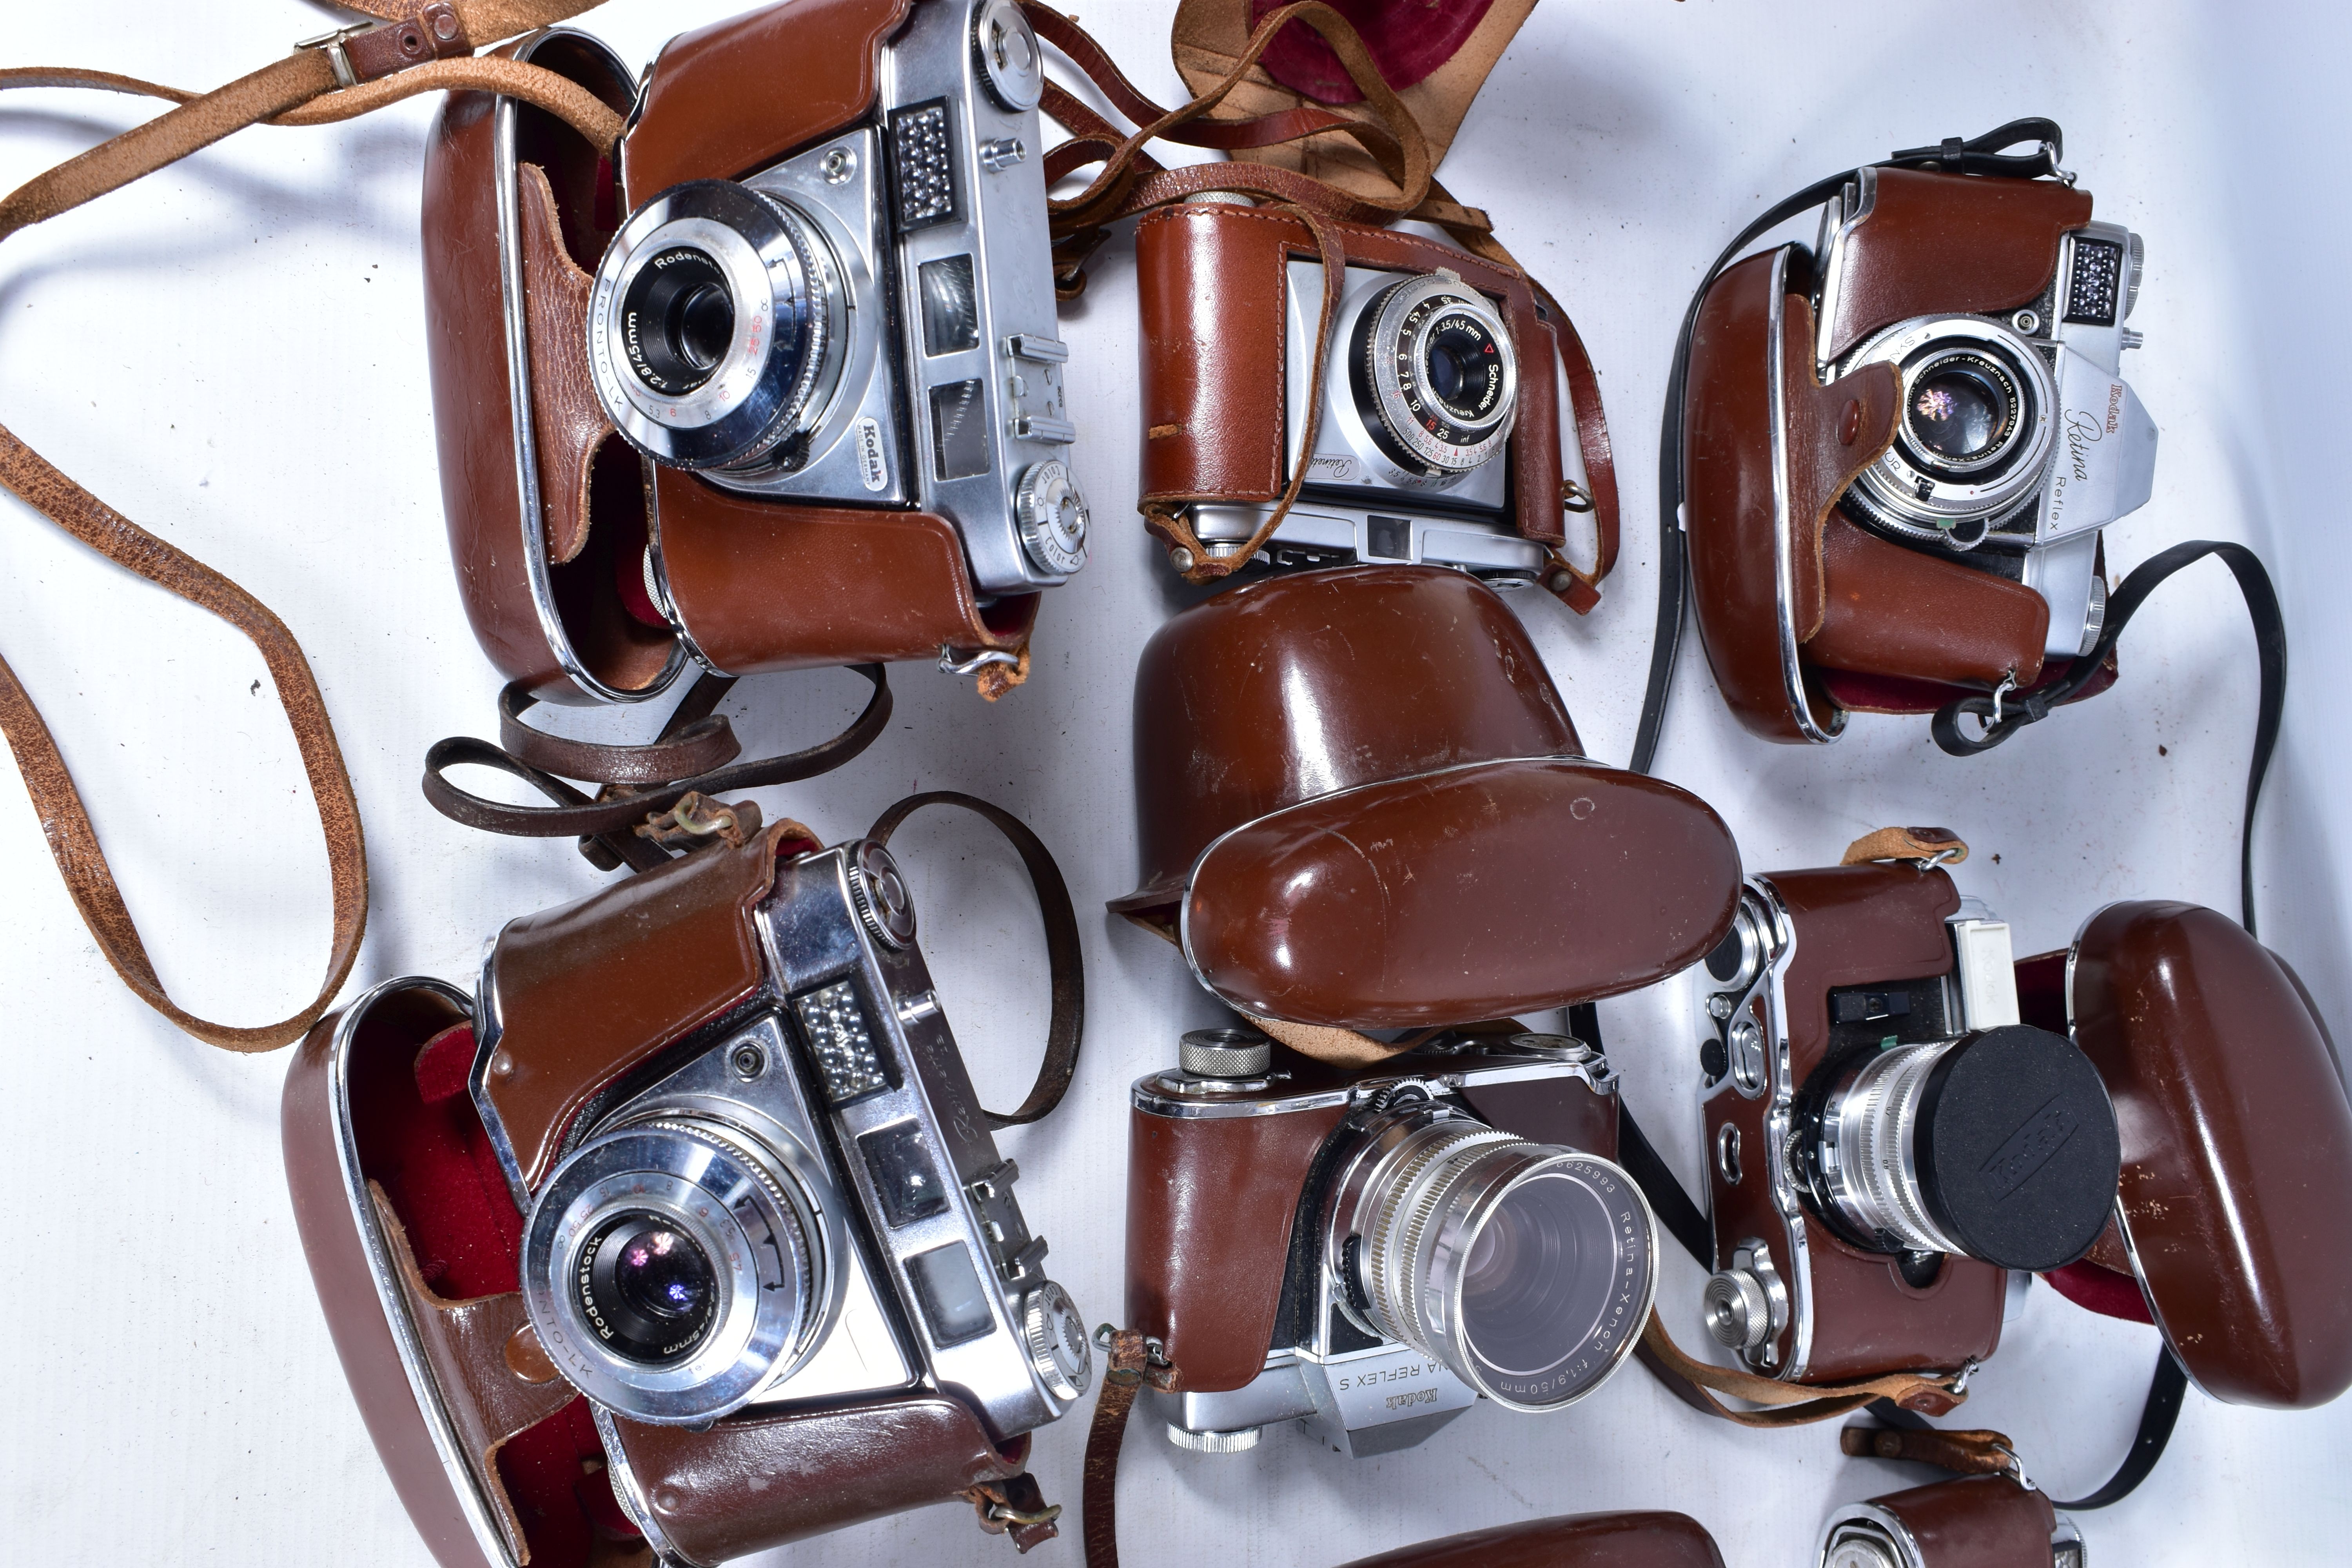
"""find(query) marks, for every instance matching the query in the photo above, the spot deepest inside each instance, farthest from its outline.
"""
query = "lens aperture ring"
(1435, 374)
(1412, 1192)
(711, 326)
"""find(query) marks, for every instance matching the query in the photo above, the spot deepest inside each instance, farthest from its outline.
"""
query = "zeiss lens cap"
(2017, 1148)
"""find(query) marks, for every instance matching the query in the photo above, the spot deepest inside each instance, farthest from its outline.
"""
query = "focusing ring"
(782, 346)
(1401, 333)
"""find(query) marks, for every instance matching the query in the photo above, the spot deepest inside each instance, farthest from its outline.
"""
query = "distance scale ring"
(1435, 374)
(780, 317)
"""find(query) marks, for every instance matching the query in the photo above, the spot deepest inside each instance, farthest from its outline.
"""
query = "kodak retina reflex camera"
(2016, 438)
(869, 321)
(756, 1217)
(1885, 1141)
(1372, 1252)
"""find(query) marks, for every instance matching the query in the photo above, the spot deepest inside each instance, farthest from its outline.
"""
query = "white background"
(232, 353)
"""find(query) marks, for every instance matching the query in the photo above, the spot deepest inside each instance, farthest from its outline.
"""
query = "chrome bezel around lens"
(786, 351)
(1418, 1196)
(1869, 1149)
(1955, 503)
(749, 1209)
(1391, 359)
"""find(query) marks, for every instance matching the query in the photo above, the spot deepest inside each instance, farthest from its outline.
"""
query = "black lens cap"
(2017, 1148)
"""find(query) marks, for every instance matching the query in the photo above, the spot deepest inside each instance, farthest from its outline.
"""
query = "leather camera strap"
(1985, 155)
(2004, 718)
(1134, 1361)
(1131, 182)
(1065, 963)
(639, 783)
(420, 49)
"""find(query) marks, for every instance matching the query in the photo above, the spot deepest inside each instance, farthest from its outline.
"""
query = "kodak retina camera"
(807, 1207)
(1420, 392)
(2016, 438)
(701, 1147)
(1372, 1254)
(1885, 1141)
(871, 321)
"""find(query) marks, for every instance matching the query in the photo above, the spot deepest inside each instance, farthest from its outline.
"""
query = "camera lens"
(677, 320)
(1962, 410)
(717, 326)
(1527, 1269)
(1433, 375)
(673, 1267)
(648, 1288)
(1999, 1145)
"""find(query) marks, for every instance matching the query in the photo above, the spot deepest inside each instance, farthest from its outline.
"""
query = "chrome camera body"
(2017, 438)
(870, 322)
(1421, 392)
(805, 1206)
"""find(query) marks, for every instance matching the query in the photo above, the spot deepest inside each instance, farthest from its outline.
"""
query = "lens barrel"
(1433, 374)
(1528, 1268)
(1999, 1145)
(717, 326)
(674, 1266)
(1973, 436)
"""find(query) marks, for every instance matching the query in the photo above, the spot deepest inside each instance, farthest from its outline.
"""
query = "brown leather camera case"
(1212, 1201)
(399, 1199)
(1976, 1521)
(1804, 614)
(756, 585)
(1855, 925)
(1210, 281)
(1373, 761)
(1580, 1541)
(2236, 1208)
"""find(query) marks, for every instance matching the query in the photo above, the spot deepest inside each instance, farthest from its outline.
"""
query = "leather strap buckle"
(333, 44)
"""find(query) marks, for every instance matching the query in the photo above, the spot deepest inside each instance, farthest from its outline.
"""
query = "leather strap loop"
(1065, 963)
(1966, 1453)
(695, 741)
(626, 805)
(1787, 1403)
(1134, 1361)
(65, 820)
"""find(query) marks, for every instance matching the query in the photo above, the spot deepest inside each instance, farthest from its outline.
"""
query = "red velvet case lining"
(421, 1140)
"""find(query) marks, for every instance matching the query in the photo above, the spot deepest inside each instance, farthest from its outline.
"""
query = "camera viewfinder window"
(905, 1181)
(950, 309)
(846, 1056)
(958, 430)
(922, 162)
(2094, 289)
(955, 1308)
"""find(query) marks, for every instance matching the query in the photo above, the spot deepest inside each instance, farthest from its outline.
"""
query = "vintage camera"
(1371, 1251)
(1978, 1521)
(2016, 438)
(1885, 1141)
(785, 344)
(745, 1200)
(1439, 436)
(1899, 448)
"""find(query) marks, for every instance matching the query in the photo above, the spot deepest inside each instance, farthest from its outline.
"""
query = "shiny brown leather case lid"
(590, 989)
(2237, 1141)
(1738, 515)
(1477, 891)
(1293, 687)
(1580, 1541)
(1977, 1521)
(354, 1311)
